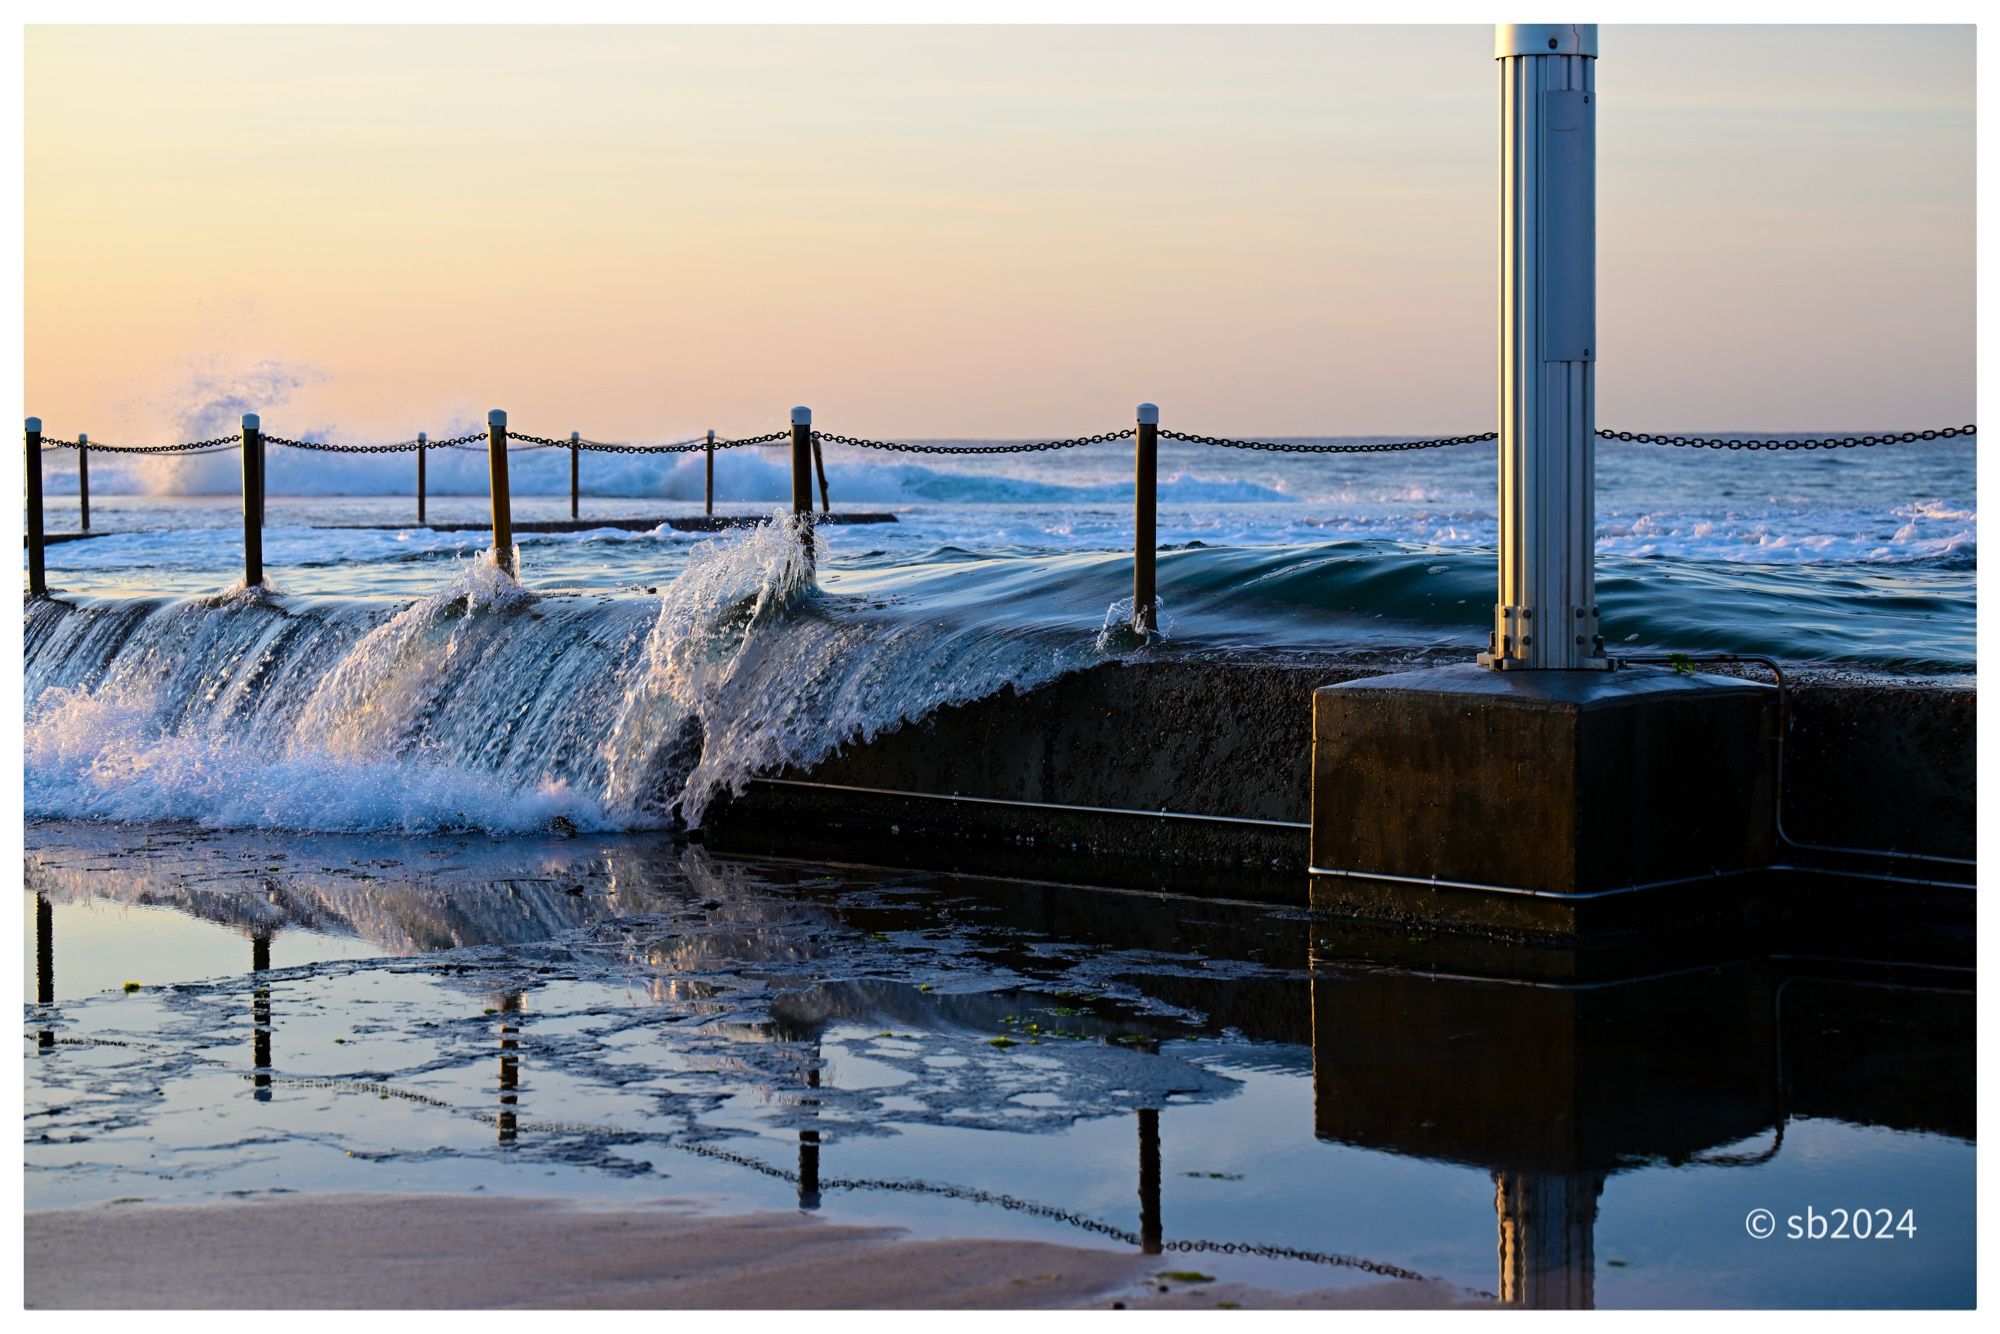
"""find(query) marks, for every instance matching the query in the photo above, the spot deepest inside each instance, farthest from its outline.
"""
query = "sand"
(376, 1251)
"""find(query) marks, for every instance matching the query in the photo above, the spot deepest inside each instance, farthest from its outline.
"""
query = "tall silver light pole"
(1546, 616)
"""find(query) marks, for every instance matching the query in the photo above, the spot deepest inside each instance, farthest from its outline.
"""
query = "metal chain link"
(189, 447)
(324, 447)
(1830, 442)
(1276, 447)
(1038, 447)
(479, 439)
(674, 447)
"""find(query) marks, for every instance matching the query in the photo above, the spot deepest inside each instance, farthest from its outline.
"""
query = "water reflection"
(848, 1038)
(45, 967)
(1554, 1087)
(511, 1006)
(260, 1017)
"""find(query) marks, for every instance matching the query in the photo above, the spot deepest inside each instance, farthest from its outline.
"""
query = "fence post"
(574, 437)
(422, 440)
(802, 478)
(708, 489)
(819, 466)
(38, 575)
(253, 501)
(496, 469)
(1145, 502)
(83, 478)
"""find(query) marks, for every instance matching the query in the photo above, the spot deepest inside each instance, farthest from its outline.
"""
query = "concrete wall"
(1868, 764)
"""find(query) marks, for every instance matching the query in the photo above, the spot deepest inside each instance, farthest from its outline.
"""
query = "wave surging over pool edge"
(483, 706)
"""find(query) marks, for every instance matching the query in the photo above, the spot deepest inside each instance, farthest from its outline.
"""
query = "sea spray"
(485, 705)
(750, 670)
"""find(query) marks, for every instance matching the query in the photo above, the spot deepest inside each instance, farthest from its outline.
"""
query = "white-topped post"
(83, 480)
(1145, 518)
(503, 505)
(253, 500)
(1546, 615)
(38, 577)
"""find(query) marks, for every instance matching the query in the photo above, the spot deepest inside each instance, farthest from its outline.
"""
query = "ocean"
(401, 684)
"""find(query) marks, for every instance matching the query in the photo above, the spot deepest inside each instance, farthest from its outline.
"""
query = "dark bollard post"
(573, 439)
(38, 575)
(802, 478)
(1149, 1181)
(83, 479)
(708, 490)
(423, 439)
(253, 501)
(1145, 503)
(819, 466)
(496, 468)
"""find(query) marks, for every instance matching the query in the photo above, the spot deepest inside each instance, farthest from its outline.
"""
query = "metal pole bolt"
(253, 508)
(496, 467)
(1145, 504)
(38, 575)
(83, 479)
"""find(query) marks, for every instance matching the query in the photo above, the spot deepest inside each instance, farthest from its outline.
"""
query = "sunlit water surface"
(631, 1019)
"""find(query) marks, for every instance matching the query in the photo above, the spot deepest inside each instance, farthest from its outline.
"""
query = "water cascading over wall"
(483, 706)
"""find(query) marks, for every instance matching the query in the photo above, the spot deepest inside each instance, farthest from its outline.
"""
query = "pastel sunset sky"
(961, 232)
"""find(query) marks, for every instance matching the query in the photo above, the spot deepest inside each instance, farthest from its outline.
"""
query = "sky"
(641, 233)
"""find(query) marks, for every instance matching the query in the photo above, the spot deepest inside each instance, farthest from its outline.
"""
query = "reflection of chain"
(938, 1189)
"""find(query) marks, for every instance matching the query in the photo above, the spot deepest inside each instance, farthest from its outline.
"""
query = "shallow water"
(623, 1019)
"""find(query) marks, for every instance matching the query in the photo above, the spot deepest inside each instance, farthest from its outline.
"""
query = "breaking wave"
(485, 706)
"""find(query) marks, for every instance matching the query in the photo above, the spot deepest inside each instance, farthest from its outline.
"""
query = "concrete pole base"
(1540, 803)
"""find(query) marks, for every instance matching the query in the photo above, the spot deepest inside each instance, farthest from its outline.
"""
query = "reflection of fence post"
(1145, 503)
(253, 507)
(574, 474)
(38, 575)
(496, 468)
(260, 1019)
(802, 480)
(83, 479)
(511, 1004)
(1149, 1181)
(45, 965)
(708, 488)
(422, 440)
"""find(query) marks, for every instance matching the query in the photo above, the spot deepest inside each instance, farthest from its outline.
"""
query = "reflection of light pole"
(809, 1141)
(1149, 1180)
(45, 964)
(1548, 1226)
(510, 1064)
(260, 1019)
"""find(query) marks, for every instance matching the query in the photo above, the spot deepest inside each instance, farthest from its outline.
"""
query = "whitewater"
(400, 681)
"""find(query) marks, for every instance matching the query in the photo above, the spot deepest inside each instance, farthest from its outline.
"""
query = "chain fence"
(522, 441)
